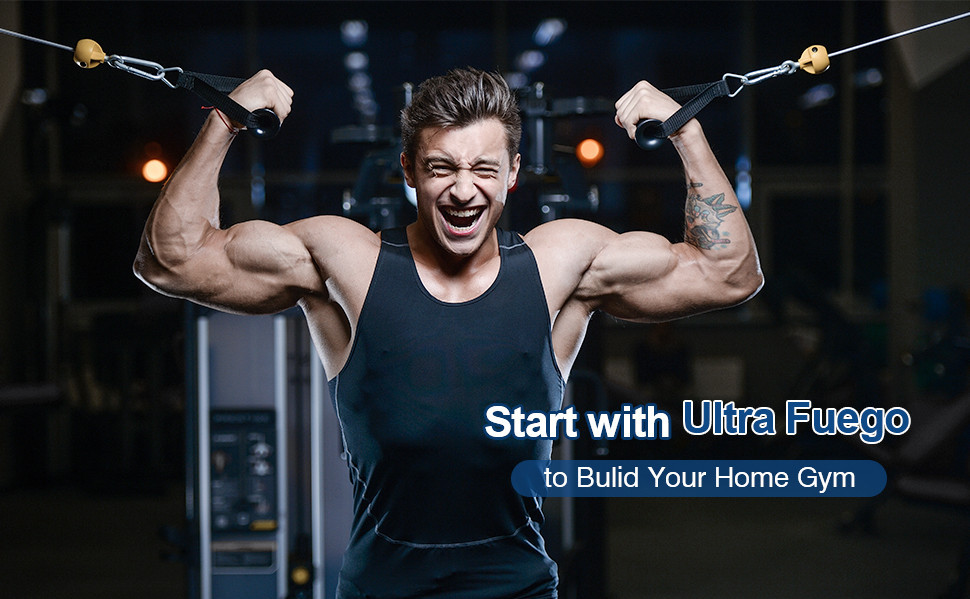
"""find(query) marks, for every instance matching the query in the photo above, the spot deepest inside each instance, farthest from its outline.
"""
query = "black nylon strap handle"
(214, 89)
(651, 133)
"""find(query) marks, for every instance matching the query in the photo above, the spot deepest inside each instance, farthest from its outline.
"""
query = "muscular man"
(422, 328)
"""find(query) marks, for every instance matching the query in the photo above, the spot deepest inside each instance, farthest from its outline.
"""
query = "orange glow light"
(589, 152)
(154, 171)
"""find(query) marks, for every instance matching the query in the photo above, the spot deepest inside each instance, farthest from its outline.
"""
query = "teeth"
(456, 216)
(462, 213)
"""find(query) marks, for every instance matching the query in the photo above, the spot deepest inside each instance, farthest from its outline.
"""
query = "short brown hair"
(458, 99)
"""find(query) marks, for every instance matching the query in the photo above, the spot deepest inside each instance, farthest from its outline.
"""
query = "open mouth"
(462, 221)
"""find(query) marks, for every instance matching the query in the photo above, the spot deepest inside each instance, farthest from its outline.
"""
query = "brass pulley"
(88, 54)
(814, 60)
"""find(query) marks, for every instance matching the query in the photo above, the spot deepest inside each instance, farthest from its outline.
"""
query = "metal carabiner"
(142, 68)
(786, 68)
(742, 81)
(165, 72)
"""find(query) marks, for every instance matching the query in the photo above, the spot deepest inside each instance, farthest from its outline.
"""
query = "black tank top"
(435, 514)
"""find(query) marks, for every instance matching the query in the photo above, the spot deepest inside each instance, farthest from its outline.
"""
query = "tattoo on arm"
(704, 217)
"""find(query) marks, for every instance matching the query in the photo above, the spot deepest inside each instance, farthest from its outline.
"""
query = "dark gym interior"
(853, 181)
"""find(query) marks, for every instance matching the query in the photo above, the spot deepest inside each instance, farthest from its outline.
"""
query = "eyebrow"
(480, 161)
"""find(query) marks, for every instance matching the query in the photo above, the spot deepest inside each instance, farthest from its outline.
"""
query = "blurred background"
(853, 181)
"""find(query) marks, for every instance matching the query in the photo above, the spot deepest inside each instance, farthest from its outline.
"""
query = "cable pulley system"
(651, 133)
(214, 89)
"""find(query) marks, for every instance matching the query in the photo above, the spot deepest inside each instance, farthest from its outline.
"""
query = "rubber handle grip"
(649, 135)
(267, 124)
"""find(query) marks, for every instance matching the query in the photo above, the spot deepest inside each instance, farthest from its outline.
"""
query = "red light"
(589, 152)
(154, 170)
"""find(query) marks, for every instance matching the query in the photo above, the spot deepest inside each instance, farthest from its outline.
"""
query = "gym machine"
(268, 502)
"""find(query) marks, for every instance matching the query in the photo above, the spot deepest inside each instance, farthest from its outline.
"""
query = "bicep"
(251, 267)
(642, 276)
(638, 275)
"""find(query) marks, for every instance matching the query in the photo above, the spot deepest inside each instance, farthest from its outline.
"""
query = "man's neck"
(452, 278)
(430, 254)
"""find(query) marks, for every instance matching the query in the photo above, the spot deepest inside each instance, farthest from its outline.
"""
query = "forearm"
(715, 228)
(714, 223)
(187, 209)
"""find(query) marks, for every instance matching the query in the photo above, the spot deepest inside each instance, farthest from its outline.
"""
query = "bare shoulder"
(568, 235)
(334, 235)
(564, 249)
(568, 244)
(331, 228)
(340, 247)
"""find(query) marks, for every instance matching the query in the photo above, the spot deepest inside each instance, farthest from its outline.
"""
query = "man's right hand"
(264, 90)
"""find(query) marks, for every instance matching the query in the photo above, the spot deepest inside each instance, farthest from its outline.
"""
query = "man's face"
(461, 177)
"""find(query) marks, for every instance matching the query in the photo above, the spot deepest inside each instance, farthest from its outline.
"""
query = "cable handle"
(267, 124)
(651, 133)
(262, 123)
